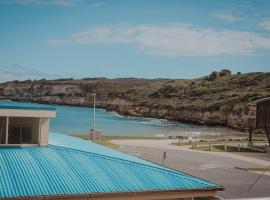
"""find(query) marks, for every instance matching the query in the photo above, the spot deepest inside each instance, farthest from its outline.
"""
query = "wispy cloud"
(17, 72)
(65, 3)
(172, 39)
(265, 25)
(226, 17)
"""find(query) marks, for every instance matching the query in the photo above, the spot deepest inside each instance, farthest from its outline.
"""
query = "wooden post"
(7, 126)
(250, 136)
(267, 132)
(39, 131)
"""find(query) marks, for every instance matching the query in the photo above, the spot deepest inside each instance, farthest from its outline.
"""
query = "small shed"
(24, 123)
(259, 116)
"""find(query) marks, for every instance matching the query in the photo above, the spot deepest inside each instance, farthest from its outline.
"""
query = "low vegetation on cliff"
(217, 99)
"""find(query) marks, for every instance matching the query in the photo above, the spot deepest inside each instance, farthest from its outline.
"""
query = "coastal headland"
(219, 99)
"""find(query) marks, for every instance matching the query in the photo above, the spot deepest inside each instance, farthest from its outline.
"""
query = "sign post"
(164, 157)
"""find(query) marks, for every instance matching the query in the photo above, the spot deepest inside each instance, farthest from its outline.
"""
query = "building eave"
(145, 195)
(5, 112)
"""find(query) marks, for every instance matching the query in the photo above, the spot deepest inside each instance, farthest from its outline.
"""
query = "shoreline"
(210, 125)
(221, 131)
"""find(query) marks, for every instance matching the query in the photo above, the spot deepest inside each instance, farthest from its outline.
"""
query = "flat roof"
(8, 104)
(71, 166)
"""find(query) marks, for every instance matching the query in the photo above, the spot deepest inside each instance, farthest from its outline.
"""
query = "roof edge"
(30, 106)
(259, 100)
(148, 193)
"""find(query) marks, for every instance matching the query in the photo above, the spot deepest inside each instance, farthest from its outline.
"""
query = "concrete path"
(166, 144)
(219, 167)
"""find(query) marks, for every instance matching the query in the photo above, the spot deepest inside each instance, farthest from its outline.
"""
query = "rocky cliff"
(217, 99)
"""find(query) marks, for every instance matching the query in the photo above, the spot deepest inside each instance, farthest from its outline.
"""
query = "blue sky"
(127, 38)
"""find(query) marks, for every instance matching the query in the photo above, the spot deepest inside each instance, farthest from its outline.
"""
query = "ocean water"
(74, 120)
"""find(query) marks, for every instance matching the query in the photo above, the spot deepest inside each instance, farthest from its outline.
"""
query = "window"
(26, 135)
(14, 135)
(3, 123)
(20, 135)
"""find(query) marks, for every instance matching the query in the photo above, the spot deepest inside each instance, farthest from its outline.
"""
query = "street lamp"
(94, 111)
(93, 130)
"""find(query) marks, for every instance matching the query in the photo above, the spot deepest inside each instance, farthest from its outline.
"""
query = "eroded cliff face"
(218, 99)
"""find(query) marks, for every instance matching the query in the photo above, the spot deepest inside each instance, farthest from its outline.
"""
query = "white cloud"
(265, 24)
(226, 17)
(172, 39)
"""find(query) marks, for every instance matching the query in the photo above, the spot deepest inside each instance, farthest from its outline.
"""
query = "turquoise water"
(73, 120)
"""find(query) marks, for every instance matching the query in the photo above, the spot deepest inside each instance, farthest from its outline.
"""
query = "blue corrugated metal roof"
(61, 140)
(7, 104)
(82, 168)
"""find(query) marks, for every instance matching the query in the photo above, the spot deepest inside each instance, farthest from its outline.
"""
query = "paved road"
(211, 166)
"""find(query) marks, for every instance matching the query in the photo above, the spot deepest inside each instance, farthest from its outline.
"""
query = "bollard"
(225, 147)
(239, 147)
(210, 147)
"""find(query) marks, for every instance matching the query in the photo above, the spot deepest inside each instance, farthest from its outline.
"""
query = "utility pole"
(93, 130)
(94, 111)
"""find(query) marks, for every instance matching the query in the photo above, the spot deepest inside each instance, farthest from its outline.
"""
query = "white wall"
(27, 113)
(44, 130)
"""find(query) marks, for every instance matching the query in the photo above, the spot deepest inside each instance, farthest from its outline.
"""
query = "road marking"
(206, 166)
(134, 154)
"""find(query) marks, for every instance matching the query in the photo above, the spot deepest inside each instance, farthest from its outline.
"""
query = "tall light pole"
(94, 111)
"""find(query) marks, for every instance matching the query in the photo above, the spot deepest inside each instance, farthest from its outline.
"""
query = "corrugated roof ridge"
(163, 170)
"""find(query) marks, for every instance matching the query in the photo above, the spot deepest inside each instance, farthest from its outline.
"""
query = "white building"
(24, 124)
(53, 166)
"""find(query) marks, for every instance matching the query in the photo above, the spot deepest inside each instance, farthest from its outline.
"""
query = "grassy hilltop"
(217, 99)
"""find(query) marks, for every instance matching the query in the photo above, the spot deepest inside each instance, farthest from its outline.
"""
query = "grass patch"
(108, 143)
(121, 137)
(217, 142)
(106, 139)
(131, 137)
(234, 149)
(259, 169)
(206, 148)
(221, 148)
